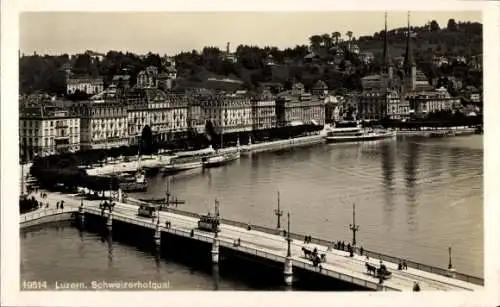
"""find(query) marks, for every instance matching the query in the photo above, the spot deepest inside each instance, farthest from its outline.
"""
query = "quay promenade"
(157, 161)
(259, 244)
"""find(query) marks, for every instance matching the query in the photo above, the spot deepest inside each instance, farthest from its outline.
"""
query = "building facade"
(147, 78)
(296, 108)
(166, 115)
(263, 111)
(89, 85)
(373, 105)
(47, 130)
(431, 101)
(103, 124)
(228, 113)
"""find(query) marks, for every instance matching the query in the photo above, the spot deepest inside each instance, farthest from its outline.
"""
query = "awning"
(296, 123)
(314, 122)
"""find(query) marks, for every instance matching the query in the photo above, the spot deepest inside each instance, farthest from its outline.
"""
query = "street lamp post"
(289, 240)
(278, 213)
(217, 217)
(450, 266)
(353, 227)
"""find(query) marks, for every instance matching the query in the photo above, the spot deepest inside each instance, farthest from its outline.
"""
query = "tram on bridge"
(148, 210)
(209, 223)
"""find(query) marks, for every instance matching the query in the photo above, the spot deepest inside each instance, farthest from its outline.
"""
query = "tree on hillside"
(315, 42)
(452, 25)
(327, 41)
(336, 36)
(434, 26)
(349, 35)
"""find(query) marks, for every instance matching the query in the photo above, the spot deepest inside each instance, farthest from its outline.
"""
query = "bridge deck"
(338, 263)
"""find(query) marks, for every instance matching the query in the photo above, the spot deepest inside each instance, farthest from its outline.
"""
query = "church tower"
(409, 66)
(387, 63)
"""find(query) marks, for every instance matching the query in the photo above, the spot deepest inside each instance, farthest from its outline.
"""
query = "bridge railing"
(372, 254)
(425, 267)
(42, 212)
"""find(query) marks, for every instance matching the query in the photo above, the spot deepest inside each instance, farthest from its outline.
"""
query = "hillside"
(335, 64)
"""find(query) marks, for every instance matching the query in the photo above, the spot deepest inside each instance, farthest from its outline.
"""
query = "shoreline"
(157, 161)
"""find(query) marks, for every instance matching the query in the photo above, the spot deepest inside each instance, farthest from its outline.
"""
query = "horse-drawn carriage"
(381, 272)
(314, 256)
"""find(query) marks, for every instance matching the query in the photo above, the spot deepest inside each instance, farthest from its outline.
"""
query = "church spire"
(386, 45)
(408, 61)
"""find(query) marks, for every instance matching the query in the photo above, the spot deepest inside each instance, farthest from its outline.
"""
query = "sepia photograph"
(302, 151)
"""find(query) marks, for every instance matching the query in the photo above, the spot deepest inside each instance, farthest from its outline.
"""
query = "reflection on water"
(414, 198)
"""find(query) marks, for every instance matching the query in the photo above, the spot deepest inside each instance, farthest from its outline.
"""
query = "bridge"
(265, 243)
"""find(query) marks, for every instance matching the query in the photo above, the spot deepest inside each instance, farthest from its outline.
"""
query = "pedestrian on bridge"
(416, 287)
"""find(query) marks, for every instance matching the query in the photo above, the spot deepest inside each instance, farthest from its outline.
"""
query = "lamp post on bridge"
(353, 227)
(217, 217)
(278, 213)
(288, 239)
(450, 266)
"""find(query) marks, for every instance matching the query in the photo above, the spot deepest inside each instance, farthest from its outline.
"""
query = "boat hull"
(221, 160)
(182, 167)
(359, 138)
(133, 187)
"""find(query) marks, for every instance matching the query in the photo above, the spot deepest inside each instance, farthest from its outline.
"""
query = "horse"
(307, 253)
(371, 269)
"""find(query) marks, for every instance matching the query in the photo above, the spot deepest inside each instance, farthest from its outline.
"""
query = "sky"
(173, 32)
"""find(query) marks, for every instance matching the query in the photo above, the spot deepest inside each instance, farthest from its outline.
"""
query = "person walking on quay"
(361, 251)
(400, 265)
(62, 205)
(405, 267)
(57, 205)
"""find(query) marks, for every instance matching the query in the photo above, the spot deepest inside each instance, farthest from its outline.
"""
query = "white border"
(10, 294)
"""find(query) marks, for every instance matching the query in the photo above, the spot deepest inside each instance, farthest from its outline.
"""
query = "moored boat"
(355, 134)
(220, 159)
(187, 160)
(138, 184)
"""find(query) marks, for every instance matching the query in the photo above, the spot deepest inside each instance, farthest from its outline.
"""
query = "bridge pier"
(81, 215)
(215, 250)
(288, 271)
(109, 221)
(157, 234)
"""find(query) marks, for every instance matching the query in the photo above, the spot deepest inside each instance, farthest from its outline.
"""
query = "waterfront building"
(196, 121)
(372, 105)
(87, 85)
(431, 101)
(47, 130)
(472, 94)
(476, 62)
(263, 111)
(296, 107)
(166, 114)
(147, 78)
(103, 123)
(230, 113)
(334, 108)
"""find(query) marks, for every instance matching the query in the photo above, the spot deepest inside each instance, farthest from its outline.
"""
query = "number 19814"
(34, 285)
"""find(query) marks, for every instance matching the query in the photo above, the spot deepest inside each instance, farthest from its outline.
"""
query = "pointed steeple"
(408, 61)
(386, 46)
